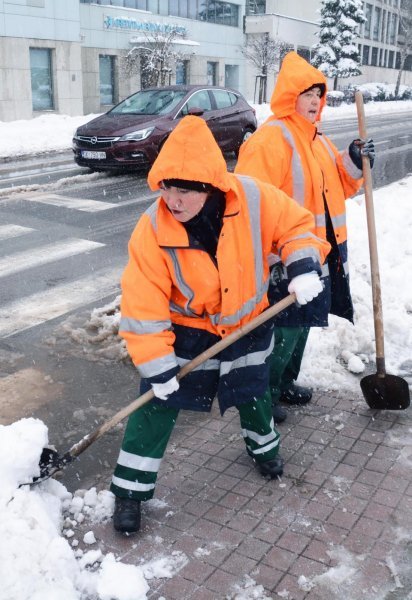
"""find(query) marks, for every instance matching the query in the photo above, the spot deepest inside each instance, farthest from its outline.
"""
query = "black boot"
(126, 516)
(278, 412)
(273, 467)
(296, 394)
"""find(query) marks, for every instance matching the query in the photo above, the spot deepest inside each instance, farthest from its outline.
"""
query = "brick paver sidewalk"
(338, 525)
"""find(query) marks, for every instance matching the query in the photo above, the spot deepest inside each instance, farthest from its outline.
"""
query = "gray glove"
(359, 148)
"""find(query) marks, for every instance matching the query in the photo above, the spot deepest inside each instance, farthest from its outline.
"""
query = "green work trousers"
(286, 359)
(148, 431)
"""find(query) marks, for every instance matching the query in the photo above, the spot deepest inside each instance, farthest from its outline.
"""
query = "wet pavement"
(337, 525)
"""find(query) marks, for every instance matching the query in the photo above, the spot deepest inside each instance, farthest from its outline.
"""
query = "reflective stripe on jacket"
(289, 152)
(169, 282)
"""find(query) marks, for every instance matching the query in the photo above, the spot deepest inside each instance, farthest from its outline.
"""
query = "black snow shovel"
(51, 462)
(381, 391)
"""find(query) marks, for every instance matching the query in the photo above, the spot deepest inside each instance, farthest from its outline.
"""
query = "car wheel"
(246, 134)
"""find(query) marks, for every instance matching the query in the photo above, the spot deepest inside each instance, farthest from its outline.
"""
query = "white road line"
(381, 142)
(11, 231)
(13, 263)
(83, 204)
(44, 306)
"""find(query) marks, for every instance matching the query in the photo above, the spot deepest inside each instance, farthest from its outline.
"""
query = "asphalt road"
(63, 245)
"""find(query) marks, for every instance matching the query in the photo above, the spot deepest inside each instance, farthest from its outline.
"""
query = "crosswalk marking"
(11, 231)
(44, 306)
(83, 204)
(45, 254)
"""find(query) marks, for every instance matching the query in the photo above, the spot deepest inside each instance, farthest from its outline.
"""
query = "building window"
(232, 76)
(365, 55)
(374, 59)
(182, 72)
(106, 74)
(394, 26)
(222, 13)
(211, 73)
(385, 59)
(398, 60)
(41, 78)
(368, 17)
(391, 55)
(256, 7)
(377, 23)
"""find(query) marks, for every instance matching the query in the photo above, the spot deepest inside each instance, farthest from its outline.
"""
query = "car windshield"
(150, 102)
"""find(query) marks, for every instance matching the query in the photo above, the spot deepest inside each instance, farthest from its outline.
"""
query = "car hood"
(118, 124)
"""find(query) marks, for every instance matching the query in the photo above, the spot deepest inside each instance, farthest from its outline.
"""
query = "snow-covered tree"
(405, 38)
(264, 53)
(337, 54)
(155, 56)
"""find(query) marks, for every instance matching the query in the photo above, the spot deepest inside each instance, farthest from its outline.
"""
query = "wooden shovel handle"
(373, 247)
(272, 311)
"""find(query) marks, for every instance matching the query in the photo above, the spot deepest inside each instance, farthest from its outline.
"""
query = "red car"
(130, 135)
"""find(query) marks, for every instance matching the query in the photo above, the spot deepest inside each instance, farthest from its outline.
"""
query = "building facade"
(296, 24)
(68, 56)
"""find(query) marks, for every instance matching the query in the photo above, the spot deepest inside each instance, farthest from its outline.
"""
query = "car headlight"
(137, 136)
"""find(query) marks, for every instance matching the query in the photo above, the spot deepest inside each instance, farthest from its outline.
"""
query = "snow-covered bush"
(334, 98)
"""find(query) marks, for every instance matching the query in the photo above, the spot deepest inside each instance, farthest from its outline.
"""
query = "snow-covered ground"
(40, 558)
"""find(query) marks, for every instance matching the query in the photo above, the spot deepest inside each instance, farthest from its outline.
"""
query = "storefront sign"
(127, 24)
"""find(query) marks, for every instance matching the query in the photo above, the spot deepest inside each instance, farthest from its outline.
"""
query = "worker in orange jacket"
(197, 270)
(289, 152)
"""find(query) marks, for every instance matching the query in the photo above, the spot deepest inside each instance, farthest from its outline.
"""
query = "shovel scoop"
(381, 391)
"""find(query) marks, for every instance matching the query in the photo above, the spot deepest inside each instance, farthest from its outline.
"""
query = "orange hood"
(295, 76)
(190, 152)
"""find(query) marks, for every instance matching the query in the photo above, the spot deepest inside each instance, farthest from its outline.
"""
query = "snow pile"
(249, 590)
(335, 355)
(16, 136)
(39, 555)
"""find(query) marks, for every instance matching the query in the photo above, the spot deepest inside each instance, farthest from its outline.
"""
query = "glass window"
(368, 17)
(365, 55)
(150, 102)
(198, 100)
(223, 13)
(211, 73)
(181, 72)
(377, 23)
(174, 8)
(256, 7)
(222, 98)
(394, 26)
(391, 55)
(232, 76)
(41, 79)
(374, 59)
(106, 74)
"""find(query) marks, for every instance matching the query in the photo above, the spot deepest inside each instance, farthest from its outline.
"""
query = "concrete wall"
(15, 77)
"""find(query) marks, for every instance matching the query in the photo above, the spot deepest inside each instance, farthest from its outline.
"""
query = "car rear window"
(222, 98)
(150, 102)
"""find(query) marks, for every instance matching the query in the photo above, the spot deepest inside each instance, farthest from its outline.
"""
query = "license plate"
(96, 155)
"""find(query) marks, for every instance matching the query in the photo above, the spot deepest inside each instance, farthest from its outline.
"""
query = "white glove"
(306, 287)
(163, 390)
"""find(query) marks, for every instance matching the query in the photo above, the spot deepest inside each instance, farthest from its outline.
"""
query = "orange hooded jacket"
(167, 281)
(288, 152)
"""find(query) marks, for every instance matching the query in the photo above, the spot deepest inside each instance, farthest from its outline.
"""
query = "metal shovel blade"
(385, 392)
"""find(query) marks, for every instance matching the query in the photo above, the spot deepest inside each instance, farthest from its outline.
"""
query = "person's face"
(183, 204)
(308, 103)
